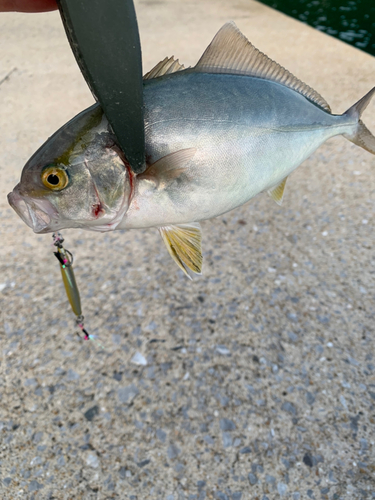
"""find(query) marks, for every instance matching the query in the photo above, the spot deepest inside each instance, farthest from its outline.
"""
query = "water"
(352, 21)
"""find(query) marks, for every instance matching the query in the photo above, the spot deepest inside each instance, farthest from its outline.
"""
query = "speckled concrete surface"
(256, 381)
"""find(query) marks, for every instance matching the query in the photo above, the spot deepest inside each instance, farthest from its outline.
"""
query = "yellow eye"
(55, 178)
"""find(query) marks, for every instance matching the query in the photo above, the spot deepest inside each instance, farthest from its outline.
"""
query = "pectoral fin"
(184, 244)
(277, 192)
(169, 167)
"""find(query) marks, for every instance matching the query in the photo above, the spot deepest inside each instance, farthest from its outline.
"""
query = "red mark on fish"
(97, 209)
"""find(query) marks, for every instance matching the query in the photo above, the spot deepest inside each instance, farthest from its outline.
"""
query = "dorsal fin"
(164, 67)
(231, 52)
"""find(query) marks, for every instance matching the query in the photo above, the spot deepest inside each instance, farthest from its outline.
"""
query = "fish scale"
(254, 140)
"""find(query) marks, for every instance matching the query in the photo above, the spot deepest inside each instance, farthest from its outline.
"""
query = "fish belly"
(248, 133)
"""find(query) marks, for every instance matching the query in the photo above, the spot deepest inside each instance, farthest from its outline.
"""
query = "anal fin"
(184, 244)
(277, 192)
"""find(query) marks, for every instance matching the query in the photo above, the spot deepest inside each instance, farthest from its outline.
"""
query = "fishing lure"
(65, 259)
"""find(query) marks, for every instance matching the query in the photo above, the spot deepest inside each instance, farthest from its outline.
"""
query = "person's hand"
(27, 5)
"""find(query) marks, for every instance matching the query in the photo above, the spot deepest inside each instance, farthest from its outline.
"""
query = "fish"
(217, 134)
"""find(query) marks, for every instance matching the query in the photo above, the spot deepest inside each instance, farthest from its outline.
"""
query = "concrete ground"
(260, 375)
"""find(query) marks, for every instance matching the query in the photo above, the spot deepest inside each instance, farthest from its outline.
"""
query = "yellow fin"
(164, 67)
(184, 244)
(277, 192)
(231, 52)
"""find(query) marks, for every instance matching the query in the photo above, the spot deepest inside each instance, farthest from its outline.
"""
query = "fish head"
(78, 178)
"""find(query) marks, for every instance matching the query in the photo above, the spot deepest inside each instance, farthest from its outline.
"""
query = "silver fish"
(217, 135)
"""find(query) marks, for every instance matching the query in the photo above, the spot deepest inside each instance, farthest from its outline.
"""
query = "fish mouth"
(36, 213)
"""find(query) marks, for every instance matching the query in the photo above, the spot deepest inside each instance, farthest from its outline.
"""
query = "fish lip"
(35, 213)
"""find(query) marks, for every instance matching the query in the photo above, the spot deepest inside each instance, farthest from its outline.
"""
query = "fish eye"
(55, 178)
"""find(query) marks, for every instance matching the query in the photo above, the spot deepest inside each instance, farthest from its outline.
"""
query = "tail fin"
(361, 136)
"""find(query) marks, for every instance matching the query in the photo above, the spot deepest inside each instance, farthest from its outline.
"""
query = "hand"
(27, 5)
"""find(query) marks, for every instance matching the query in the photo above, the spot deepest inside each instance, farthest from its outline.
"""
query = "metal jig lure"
(65, 259)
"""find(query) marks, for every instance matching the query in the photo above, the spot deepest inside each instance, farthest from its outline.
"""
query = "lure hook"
(65, 259)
